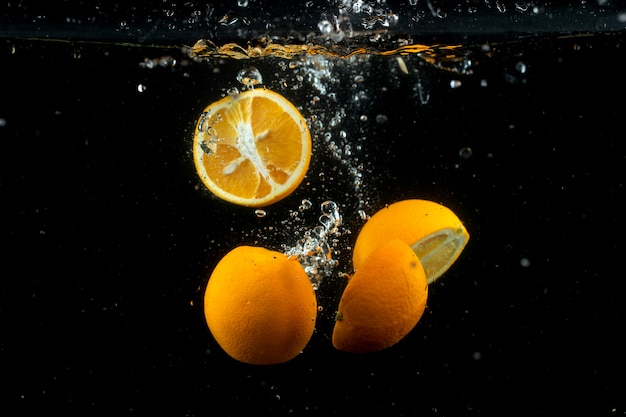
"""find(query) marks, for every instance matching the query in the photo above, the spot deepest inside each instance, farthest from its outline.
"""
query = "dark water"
(108, 235)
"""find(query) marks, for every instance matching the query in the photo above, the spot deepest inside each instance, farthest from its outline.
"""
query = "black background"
(108, 237)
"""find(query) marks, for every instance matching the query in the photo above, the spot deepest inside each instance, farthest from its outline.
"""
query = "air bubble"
(260, 213)
(233, 92)
(329, 207)
(465, 153)
(141, 88)
(455, 83)
(305, 204)
(250, 76)
(381, 118)
(325, 27)
(520, 67)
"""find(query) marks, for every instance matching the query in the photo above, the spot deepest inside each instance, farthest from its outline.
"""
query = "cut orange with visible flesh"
(383, 301)
(433, 231)
(253, 148)
(260, 306)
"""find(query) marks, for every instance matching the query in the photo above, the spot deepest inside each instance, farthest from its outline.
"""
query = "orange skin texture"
(260, 306)
(382, 302)
(407, 220)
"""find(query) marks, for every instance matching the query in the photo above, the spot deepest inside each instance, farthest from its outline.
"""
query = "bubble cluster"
(316, 248)
(167, 61)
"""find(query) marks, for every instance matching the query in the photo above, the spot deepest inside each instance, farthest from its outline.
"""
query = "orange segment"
(433, 231)
(260, 306)
(383, 301)
(253, 148)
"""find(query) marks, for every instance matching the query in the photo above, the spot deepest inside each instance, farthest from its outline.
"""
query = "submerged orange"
(252, 148)
(433, 231)
(383, 301)
(260, 306)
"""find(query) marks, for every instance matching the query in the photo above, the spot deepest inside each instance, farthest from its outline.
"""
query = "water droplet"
(141, 88)
(250, 76)
(520, 67)
(242, 3)
(359, 79)
(260, 213)
(524, 262)
(455, 83)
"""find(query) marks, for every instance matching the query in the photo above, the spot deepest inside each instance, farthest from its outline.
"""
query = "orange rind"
(382, 302)
(260, 306)
(433, 231)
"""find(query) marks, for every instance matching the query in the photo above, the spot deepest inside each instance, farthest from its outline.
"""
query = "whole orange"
(260, 306)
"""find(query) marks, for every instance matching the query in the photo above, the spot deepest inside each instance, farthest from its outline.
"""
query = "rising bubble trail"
(315, 249)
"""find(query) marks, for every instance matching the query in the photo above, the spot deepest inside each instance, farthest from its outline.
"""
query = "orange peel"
(382, 302)
(260, 306)
(433, 231)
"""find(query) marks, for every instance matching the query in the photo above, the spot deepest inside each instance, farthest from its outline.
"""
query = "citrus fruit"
(260, 306)
(433, 231)
(382, 302)
(252, 148)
